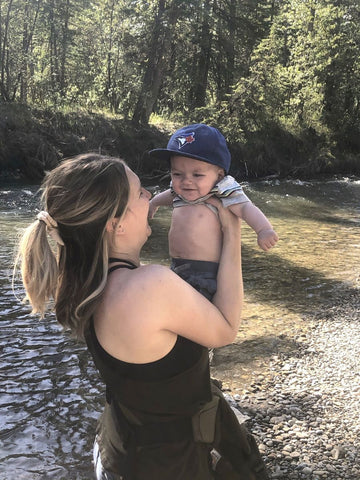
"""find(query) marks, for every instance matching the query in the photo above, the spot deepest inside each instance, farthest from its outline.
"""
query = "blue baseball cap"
(198, 141)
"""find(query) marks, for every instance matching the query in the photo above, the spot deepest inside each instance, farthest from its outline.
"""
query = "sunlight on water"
(50, 393)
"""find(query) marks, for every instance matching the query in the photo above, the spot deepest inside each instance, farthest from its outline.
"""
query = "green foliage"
(281, 79)
(302, 87)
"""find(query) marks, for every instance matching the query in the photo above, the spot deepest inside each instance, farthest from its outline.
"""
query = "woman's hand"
(228, 221)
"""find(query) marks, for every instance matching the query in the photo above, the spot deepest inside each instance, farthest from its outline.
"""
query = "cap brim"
(160, 153)
(165, 154)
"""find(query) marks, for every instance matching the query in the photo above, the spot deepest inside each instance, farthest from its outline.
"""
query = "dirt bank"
(33, 141)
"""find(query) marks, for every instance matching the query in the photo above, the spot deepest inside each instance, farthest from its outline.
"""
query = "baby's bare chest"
(195, 233)
(195, 220)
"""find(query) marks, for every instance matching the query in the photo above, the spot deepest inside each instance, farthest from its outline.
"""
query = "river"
(50, 393)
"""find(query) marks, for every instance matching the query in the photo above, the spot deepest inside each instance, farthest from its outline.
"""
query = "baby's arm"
(254, 217)
(162, 199)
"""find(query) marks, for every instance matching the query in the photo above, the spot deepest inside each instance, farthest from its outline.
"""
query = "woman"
(147, 330)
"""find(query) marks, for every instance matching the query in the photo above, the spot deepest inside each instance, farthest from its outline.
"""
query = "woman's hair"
(81, 195)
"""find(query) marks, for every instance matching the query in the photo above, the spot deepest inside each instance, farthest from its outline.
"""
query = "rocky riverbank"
(305, 410)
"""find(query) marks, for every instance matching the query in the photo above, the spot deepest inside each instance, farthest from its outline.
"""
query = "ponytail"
(64, 254)
(39, 266)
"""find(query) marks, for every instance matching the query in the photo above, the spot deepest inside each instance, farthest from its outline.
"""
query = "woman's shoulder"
(148, 277)
(156, 285)
(155, 276)
(137, 289)
(152, 270)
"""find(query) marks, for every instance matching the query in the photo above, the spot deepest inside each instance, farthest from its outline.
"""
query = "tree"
(247, 65)
(342, 75)
(165, 17)
(5, 18)
(202, 58)
(302, 87)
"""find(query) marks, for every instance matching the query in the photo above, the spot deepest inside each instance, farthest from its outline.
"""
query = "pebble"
(305, 415)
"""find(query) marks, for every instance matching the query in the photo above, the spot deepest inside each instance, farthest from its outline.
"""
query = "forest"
(279, 78)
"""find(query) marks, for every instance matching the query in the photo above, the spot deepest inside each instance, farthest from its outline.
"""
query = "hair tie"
(51, 226)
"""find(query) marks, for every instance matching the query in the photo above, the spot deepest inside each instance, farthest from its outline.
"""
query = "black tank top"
(182, 356)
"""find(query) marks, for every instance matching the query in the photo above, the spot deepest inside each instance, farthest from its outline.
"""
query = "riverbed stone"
(305, 412)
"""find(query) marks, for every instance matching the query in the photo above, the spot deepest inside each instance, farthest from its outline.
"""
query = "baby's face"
(192, 178)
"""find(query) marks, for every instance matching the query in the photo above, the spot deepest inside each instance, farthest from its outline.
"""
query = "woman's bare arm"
(143, 310)
(189, 313)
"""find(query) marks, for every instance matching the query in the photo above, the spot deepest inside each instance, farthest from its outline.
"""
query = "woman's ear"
(120, 229)
(110, 227)
(114, 226)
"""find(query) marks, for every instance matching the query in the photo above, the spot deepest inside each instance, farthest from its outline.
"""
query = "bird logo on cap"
(186, 139)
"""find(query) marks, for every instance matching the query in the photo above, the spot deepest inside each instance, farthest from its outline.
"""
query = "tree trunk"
(23, 77)
(65, 40)
(157, 55)
(54, 61)
(4, 55)
(203, 62)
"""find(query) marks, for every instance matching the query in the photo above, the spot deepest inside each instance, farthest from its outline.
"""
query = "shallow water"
(50, 393)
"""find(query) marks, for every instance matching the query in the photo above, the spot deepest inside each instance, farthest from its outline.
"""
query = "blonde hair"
(81, 195)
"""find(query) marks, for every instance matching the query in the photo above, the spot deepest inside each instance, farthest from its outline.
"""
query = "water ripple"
(50, 392)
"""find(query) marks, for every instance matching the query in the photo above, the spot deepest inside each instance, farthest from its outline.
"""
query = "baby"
(199, 163)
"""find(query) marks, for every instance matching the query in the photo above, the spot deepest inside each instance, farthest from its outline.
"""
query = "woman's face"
(137, 210)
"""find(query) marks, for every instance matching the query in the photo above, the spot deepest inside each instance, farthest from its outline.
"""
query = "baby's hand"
(152, 210)
(267, 239)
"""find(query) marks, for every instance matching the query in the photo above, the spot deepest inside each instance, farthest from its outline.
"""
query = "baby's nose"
(187, 180)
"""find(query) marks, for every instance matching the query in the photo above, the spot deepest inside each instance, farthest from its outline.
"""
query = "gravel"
(305, 414)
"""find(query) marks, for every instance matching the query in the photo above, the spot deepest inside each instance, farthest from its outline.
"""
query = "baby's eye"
(175, 174)
(199, 175)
